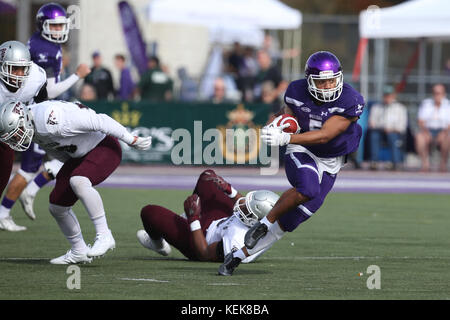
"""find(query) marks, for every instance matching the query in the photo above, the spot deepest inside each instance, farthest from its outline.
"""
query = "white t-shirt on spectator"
(435, 117)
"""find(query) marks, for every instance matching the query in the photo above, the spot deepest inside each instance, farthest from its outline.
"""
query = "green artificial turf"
(405, 235)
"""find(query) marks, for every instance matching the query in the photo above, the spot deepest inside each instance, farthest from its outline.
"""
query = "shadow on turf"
(158, 258)
(189, 267)
(238, 271)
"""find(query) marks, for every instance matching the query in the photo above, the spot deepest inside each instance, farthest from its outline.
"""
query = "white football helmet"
(254, 206)
(14, 54)
(16, 125)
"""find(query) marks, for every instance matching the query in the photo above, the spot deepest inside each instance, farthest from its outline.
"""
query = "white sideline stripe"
(23, 259)
(143, 279)
(355, 258)
(342, 183)
(224, 284)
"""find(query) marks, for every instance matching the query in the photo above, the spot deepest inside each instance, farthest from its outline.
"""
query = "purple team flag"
(133, 37)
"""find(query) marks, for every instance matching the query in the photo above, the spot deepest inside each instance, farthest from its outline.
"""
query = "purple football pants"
(32, 158)
(303, 175)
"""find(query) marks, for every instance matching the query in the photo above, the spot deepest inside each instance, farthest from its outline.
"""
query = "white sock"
(266, 222)
(32, 188)
(92, 201)
(276, 230)
(4, 212)
(268, 240)
(70, 227)
(100, 224)
(239, 254)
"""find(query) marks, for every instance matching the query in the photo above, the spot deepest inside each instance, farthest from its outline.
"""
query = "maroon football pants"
(161, 222)
(6, 163)
(97, 166)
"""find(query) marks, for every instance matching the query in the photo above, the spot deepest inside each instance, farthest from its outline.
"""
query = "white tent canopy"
(228, 20)
(414, 19)
(411, 19)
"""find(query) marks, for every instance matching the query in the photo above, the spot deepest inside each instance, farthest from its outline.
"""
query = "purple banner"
(133, 37)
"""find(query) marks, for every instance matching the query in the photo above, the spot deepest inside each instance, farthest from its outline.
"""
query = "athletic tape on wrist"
(195, 225)
(233, 193)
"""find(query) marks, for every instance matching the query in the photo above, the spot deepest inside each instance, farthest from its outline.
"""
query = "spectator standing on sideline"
(220, 92)
(388, 120)
(155, 84)
(271, 73)
(87, 93)
(100, 78)
(188, 87)
(126, 83)
(434, 124)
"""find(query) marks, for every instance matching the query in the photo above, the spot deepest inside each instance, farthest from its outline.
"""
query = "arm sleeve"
(55, 89)
(42, 94)
(89, 121)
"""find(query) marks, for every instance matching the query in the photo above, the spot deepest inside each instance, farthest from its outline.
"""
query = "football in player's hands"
(288, 124)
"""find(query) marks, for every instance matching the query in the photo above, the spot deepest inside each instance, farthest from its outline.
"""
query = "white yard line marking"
(224, 284)
(143, 279)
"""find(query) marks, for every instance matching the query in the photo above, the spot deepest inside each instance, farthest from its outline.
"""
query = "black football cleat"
(229, 264)
(255, 233)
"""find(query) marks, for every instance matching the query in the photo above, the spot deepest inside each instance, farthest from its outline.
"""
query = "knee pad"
(79, 184)
(28, 176)
(52, 167)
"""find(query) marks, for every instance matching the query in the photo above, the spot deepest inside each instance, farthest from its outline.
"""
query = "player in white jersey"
(53, 27)
(217, 218)
(24, 81)
(88, 145)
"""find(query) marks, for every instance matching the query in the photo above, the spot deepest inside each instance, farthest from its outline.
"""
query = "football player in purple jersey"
(45, 48)
(327, 110)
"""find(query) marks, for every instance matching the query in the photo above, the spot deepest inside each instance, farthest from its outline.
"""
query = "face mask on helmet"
(53, 23)
(254, 206)
(16, 127)
(326, 86)
(15, 74)
(56, 30)
(15, 63)
(242, 211)
(323, 72)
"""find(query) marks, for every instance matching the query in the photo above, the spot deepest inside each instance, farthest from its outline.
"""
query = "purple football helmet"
(324, 65)
(53, 14)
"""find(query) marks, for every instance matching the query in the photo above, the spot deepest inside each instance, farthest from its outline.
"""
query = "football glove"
(274, 124)
(220, 182)
(275, 136)
(141, 143)
(192, 208)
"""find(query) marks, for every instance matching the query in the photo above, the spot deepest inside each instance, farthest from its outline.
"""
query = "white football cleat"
(72, 258)
(144, 239)
(102, 243)
(27, 200)
(8, 224)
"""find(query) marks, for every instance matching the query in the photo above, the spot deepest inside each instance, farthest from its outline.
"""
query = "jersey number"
(314, 125)
(69, 149)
